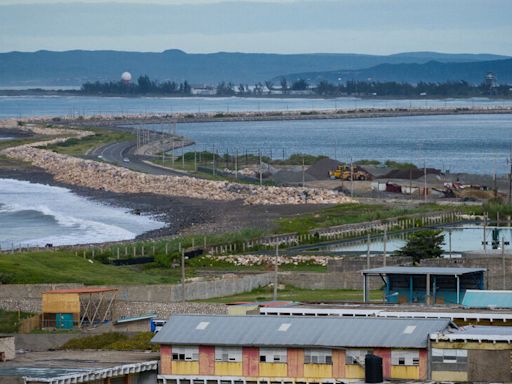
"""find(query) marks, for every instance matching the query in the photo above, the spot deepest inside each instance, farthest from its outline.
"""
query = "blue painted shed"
(430, 285)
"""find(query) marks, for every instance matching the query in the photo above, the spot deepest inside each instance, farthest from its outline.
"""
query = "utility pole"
(261, 166)
(510, 177)
(183, 154)
(495, 181)
(503, 262)
(183, 299)
(236, 165)
(213, 162)
(368, 252)
(425, 179)
(303, 171)
(385, 246)
(450, 242)
(276, 275)
(351, 178)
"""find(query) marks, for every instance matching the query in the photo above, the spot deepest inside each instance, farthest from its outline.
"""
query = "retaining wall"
(134, 300)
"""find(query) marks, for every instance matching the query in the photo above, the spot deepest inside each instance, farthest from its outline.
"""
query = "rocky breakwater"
(103, 176)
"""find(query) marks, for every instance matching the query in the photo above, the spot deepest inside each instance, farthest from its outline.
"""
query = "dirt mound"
(413, 173)
(320, 170)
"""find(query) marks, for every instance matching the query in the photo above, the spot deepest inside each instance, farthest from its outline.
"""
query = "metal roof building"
(431, 285)
(290, 331)
(487, 299)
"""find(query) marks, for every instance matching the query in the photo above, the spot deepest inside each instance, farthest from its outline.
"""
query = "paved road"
(117, 153)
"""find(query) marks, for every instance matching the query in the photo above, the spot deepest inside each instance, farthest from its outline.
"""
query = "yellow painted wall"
(224, 368)
(273, 370)
(405, 372)
(240, 310)
(449, 376)
(471, 345)
(61, 303)
(354, 371)
(317, 370)
(185, 367)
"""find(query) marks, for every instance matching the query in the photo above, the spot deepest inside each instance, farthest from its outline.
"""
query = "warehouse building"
(430, 285)
(472, 354)
(270, 349)
(458, 315)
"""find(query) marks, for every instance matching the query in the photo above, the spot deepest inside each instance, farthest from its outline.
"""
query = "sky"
(277, 26)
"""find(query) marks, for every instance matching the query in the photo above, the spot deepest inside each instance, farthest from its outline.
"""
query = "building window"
(356, 356)
(405, 357)
(317, 356)
(185, 353)
(449, 356)
(273, 355)
(228, 354)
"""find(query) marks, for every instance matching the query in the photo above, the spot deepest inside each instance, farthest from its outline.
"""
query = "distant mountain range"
(432, 71)
(47, 68)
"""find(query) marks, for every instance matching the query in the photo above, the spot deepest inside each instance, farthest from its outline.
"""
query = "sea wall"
(104, 176)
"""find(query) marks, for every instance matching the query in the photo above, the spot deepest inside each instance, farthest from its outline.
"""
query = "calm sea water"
(459, 143)
(26, 106)
(463, 239)
(36, 214)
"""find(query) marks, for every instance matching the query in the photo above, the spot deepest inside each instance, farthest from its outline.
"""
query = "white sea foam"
(36, 214)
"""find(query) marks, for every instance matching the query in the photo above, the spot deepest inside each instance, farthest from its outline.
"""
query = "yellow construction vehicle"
(343, 172)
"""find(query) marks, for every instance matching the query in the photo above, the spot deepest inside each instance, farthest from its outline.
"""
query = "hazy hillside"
(432, 71)
(76, 67)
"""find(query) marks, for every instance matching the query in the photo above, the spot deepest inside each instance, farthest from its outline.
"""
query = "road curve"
(116, 153)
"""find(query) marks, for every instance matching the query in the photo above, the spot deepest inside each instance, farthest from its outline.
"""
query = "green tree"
(299, 85)
(284, 85)
(424, 244)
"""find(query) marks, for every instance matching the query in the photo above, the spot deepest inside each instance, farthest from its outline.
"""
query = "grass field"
(65, 267)
(351, 214)
(297, 294)
(79, 147)
(113, 341)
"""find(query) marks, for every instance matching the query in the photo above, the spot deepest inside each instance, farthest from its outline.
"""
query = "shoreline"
(76, 92)
(118, 121)
(181, 215)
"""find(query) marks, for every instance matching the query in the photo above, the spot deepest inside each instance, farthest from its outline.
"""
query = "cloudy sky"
(281, 26)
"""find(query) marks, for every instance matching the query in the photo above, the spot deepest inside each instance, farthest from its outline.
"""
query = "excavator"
(342, 172)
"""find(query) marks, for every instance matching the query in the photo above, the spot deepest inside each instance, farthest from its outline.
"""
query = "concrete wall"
(498, 275)
(7, 348)
(133, 300)
(342, 274)
(226, 286)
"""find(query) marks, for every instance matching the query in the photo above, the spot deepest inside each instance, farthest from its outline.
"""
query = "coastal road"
(117, 153)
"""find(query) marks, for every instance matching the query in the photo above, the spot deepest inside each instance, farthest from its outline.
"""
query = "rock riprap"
(98, 175)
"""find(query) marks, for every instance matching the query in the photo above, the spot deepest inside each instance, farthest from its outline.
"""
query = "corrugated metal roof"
(487, 299)
(135, 318)
(302, 331)
(476, 333)
(423, 270)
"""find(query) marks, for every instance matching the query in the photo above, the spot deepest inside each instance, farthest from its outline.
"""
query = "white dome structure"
(126, 77)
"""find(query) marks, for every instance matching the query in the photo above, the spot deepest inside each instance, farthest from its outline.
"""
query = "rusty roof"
(80, 290)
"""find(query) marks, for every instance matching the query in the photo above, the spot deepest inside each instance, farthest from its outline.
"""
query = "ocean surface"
(463, 239)
(458, 143)
(36, 214)
(27, 106)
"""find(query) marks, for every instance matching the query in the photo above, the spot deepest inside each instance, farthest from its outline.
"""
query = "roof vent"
(409, 329)
(284, 327)
(202, 325)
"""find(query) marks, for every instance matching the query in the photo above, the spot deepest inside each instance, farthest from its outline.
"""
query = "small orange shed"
(71, 308)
